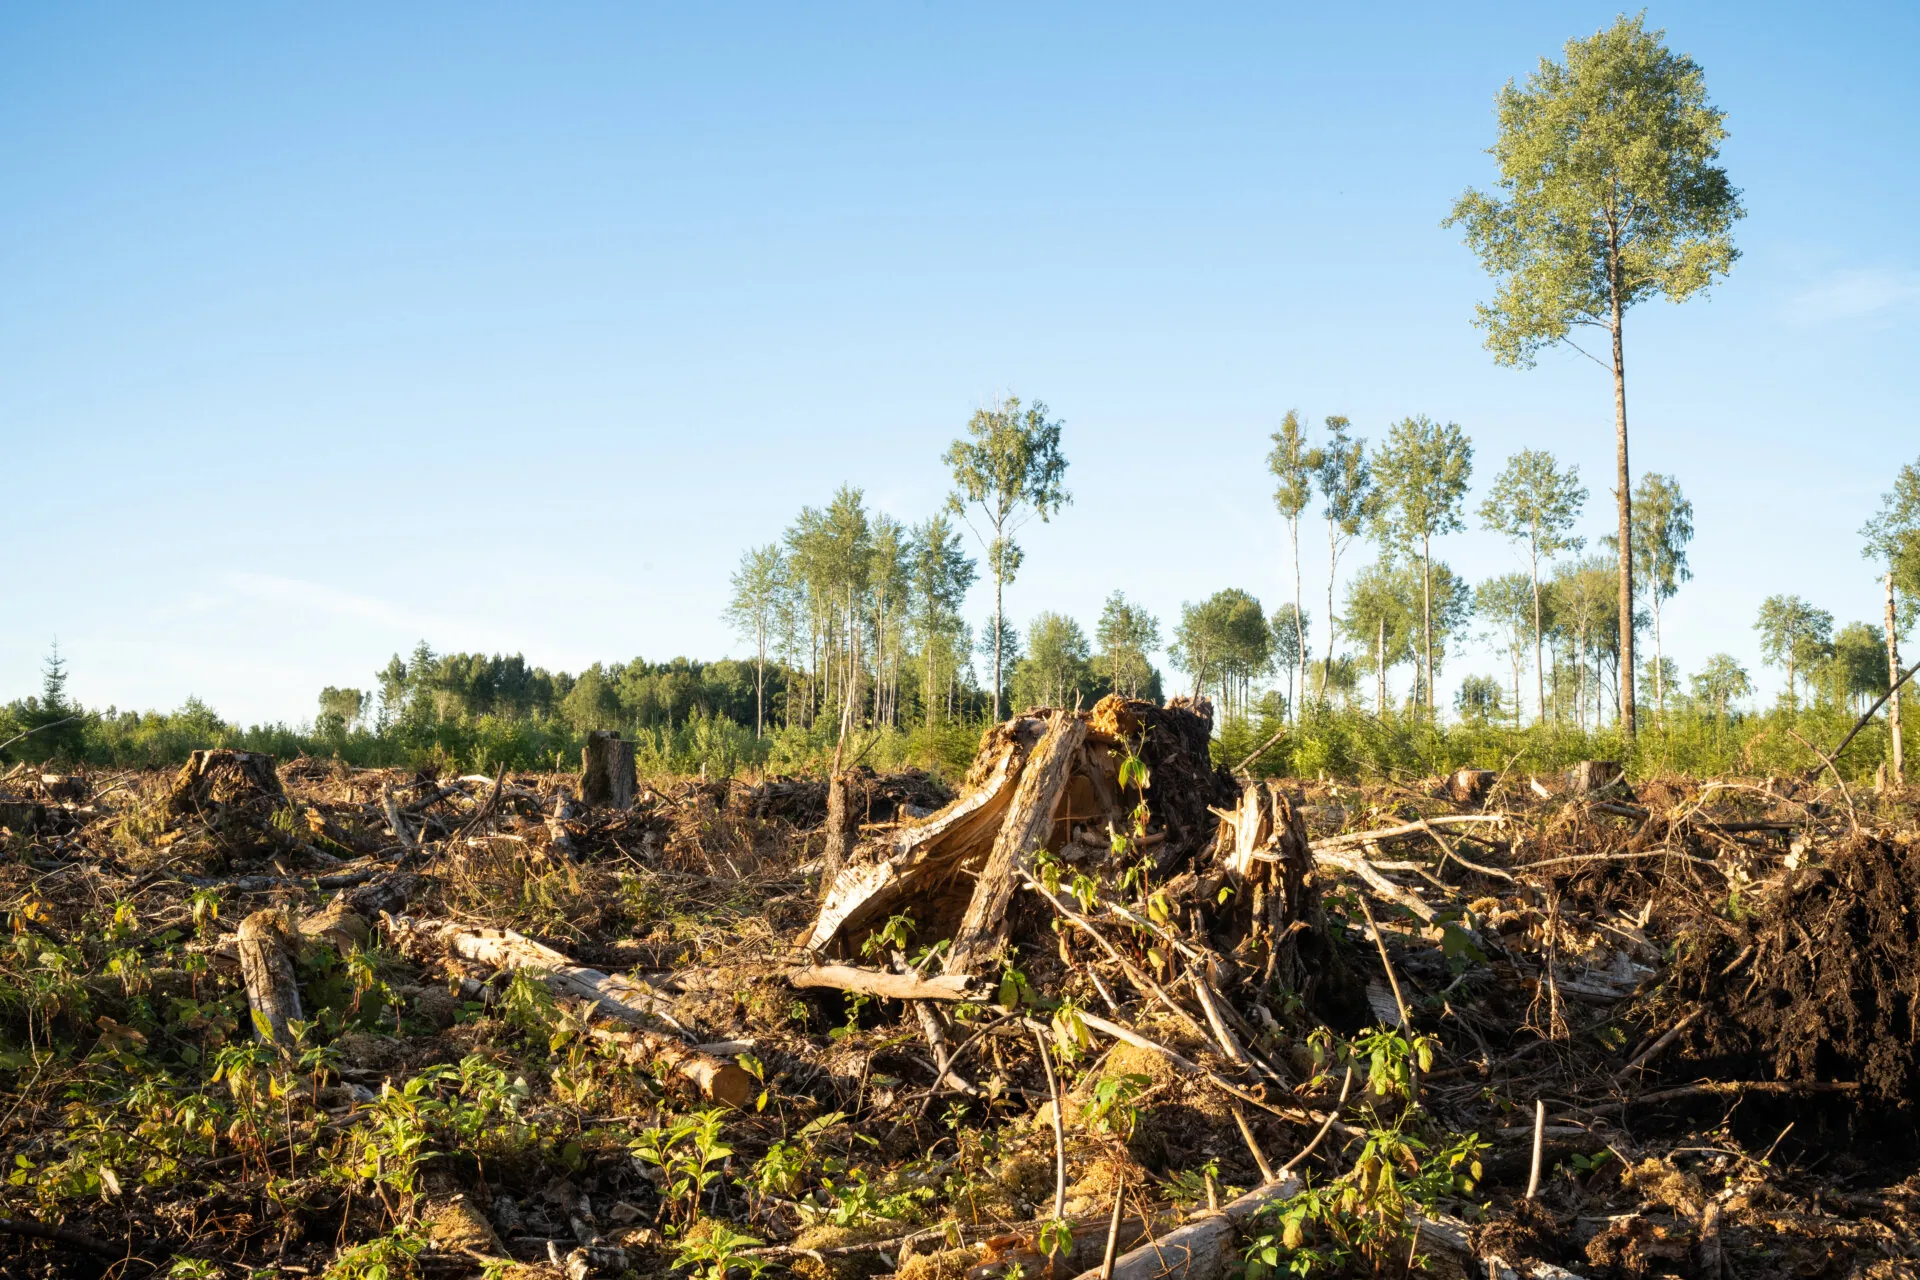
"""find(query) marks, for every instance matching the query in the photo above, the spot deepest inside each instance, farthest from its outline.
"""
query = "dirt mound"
(1833, 973)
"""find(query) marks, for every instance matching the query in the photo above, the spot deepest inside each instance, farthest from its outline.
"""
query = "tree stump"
(1470, 786)
(1591, 776)
(839, 834)
(217, 779)
(606, 771)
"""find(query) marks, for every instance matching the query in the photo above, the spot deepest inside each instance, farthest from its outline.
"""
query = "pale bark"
(266, 965)
(1893, 701)
(1624, 478)
(893, 986)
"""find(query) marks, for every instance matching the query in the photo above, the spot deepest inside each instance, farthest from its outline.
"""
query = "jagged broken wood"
(1028, 825)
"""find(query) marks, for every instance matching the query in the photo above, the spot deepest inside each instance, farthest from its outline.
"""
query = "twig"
(1654, 1049)
(1260, 750)
(1113, 1231)
(1852, 816)
(1332, 1116)
(1539, 1145)
(55, 724)
(1399, 1000)
(1059, 1126)
(1246, 1132)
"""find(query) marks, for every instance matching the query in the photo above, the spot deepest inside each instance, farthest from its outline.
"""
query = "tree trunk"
(1623, 478)
(610, 994)
(1893, 702)
(999, 627)
(1299, 628)
(1539, 666)
(1029, 821)
(1333, 566)
(1380, 667)
(266, 965)
(1659, 668)
(1426, 613)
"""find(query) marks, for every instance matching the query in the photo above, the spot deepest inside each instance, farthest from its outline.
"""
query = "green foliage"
(689, 1153)
(713, 1252)
(1892, 538)
(1057, 671)
(1793, 634)
(1608, 192)
(1126, 634)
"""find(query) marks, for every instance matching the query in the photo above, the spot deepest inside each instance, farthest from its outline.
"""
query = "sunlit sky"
(327, 329)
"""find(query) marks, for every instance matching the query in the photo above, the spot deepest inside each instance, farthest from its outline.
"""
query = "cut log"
(726, 1083)
(1028, 825)
(610, 994)
(894, 986)
(607, 776)
(265, 943)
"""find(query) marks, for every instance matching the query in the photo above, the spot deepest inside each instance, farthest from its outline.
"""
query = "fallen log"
(1203, 1249)
(1028, 824)
(610, 994)
(724, 1082)
(893, 986)
(264, 941)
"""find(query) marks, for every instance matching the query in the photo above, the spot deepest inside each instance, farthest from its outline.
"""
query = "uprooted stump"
(1073, 807)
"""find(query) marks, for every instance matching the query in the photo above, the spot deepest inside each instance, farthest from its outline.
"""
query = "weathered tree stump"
(217, 779)
(1470, 786)
(839, 833)
(1591, 776)
(606, 771)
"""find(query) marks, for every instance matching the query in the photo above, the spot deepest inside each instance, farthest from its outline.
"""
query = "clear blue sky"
(327, 329)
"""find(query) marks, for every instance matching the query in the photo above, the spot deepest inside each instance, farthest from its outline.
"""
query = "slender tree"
(1608, 195)
(1535, 499)
(1383, 618)
(1793, 634)
(1290, 654)
(1509, 606)
(1126, 634)
(939, 574)
(1423, 469)
(1662, 528)
(1344, 478)
(1009, 469)
(1720, 681)
(1893, 539)
(753, 612)
(1294, 466)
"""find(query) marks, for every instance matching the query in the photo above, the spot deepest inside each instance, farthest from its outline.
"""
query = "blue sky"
(508, 327)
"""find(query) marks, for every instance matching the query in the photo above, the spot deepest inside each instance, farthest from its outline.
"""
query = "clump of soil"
(1832, 969)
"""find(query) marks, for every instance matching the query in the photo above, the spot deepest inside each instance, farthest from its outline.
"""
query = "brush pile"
(1101, 1009)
